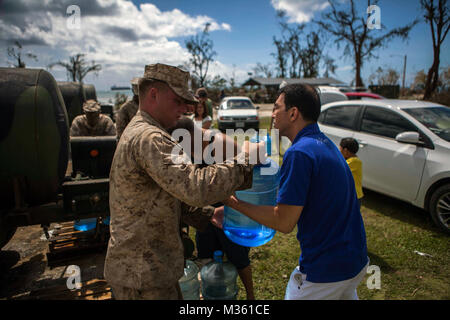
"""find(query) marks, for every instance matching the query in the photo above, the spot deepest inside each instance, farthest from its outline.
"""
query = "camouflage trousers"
(169, 293)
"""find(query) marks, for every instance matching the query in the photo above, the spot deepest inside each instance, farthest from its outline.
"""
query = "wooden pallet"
(95, 289)
(66, 243)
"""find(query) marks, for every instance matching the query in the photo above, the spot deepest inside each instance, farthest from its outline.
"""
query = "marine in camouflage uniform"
(150, 194)
(92, 123)
(128, 110)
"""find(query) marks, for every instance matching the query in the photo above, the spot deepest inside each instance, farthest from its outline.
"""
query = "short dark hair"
(304, 97)
(145, 84)
(350, 144)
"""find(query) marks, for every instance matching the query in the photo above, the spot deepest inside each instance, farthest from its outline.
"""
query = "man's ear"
(152, 93)
(294, 113)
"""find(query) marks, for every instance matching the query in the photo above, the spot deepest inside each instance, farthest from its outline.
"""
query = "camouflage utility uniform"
(149, 195)
(81, 127)
(126, 112)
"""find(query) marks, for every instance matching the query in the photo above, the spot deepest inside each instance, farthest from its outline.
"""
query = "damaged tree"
(439, 20)
(351, 29)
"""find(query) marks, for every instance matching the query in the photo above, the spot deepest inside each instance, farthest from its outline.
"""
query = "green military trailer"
(39, 176)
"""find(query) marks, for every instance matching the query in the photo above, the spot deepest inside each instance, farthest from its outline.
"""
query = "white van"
(330, 94)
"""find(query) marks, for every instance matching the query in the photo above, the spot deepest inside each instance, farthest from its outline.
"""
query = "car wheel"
(440, 207)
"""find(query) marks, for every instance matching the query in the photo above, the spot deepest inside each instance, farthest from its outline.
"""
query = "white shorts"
(300, 289)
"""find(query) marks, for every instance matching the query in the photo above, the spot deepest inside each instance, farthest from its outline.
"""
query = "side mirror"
(411, 137)
(257, 107)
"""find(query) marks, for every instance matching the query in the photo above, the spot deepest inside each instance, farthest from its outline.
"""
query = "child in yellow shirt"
(349, 147)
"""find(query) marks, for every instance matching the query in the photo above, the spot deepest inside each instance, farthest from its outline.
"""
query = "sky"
(123, 36)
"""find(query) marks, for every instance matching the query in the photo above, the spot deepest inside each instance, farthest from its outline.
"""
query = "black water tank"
(74, 96)
(89, 91)
(34, 137)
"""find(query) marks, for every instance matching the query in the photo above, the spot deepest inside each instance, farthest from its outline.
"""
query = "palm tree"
(77, 68)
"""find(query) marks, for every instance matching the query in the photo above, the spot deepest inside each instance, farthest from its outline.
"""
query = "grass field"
(395, 231)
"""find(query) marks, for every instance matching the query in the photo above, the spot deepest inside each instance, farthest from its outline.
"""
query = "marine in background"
(92, 122)
(128, 110)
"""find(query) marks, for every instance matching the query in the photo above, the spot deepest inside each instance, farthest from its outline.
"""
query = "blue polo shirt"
(331, 232)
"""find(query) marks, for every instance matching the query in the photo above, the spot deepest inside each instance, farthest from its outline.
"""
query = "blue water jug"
(219, 279)
(85, 224)
(189, 283)
(106, 221)
(239, 228)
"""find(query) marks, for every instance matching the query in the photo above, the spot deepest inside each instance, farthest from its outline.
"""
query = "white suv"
(404, 146)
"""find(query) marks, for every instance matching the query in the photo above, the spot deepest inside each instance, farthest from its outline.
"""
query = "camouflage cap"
(134, 85)
(91, 106)
(177, 79)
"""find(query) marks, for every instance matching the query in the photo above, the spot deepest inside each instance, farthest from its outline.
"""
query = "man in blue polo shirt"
(316, 193)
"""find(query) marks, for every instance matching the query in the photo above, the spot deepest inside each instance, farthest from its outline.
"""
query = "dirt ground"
(24, 267)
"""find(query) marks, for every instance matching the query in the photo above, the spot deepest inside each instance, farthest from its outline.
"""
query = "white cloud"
(120, 36)
(300, 11)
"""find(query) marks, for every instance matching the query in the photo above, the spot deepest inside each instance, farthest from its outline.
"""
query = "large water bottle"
(239, 228)
(219, 279)
(189, 284)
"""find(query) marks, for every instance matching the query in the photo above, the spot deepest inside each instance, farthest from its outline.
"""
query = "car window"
(384, 122)
(239, 104)
(321, 116)
(343, 116)
(437, 119)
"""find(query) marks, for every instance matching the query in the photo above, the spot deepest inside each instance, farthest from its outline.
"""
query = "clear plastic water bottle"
(85, 224)
(189, 283)
(239, 228)
(219, 279)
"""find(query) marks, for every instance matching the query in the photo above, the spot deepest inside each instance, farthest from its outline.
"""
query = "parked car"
(237, 112)
(362, 95)
(330, 94)
(404, 147)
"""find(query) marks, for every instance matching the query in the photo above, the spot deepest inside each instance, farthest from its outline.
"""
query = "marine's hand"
(217, 218)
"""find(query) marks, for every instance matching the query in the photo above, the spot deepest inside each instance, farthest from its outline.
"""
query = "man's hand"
(217, 218)
(231, 201)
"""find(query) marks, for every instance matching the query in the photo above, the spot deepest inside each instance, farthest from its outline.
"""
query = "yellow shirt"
(355, 165)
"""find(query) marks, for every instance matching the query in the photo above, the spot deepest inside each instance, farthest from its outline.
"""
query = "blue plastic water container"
(189, 283)
(239, 228)
(85, 224)
(219, 279)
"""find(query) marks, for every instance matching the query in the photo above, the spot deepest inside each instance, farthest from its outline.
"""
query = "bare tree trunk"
(358, 80)
(433, 76)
